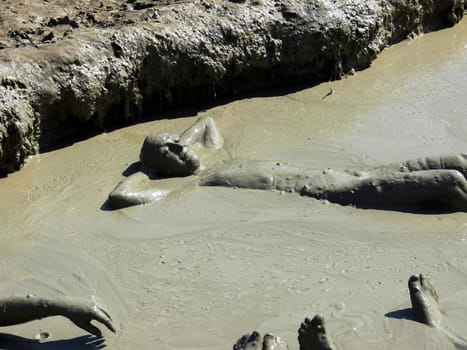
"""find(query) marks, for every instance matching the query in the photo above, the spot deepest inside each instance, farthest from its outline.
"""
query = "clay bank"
(80, 66)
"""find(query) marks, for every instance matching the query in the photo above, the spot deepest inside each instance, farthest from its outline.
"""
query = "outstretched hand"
(19, 309)
(82, 313)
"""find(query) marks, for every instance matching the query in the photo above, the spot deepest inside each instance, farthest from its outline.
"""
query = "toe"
(268, 342)
(318, 322)
(424, 280)
(414, 282)
(254, 336)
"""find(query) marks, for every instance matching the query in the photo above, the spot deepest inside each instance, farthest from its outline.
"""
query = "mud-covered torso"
(276, 176)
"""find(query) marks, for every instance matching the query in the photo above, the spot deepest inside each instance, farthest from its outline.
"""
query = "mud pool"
(206, 265)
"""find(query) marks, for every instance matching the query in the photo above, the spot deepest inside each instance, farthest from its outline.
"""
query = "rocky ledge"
(69, 66)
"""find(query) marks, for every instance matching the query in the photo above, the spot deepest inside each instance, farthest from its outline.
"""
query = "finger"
(268, 342)
(104, 311)
(105, 319)
(254, 337)
(92, 329)
(88, 327)
(424, 279)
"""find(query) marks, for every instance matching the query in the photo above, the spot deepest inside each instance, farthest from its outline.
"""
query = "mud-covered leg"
(439, 187)
(312, 335)
(450, 184)
(447, 162)
(450, 162)
(424, 300)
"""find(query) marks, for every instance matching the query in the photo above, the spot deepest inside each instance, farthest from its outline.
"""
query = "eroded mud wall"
(181, 53)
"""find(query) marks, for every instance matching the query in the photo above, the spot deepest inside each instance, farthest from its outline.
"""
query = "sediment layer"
(76, 66)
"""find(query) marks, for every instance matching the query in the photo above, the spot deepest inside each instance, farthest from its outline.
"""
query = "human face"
(165, 154)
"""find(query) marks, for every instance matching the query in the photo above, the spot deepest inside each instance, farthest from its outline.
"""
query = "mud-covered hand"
(82, 313)
(19, 309)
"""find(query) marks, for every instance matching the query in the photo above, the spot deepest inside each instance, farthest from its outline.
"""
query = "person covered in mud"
(165, 155)
(312, 334)
(434, 180)
(21, 309)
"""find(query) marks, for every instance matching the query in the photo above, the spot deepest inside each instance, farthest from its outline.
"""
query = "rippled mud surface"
(206, 265)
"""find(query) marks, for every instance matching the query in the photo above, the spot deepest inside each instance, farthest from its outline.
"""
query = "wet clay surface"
(71, 67)
(206, 265)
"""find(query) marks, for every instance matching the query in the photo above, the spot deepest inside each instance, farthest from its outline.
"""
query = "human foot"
(271, 342)
(250, 341)
(312, 335)
(424, 300)
(254, 341)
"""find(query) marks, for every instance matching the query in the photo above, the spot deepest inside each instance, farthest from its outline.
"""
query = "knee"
(456, 190)
(454, 177)
(455, 185)
(463, 159)
(118, 200)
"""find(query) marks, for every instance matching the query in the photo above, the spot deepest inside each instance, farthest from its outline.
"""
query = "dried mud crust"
(69, 66)
(38, 23)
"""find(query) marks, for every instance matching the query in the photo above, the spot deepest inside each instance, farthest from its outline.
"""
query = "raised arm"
(20, 309)
(204, 130)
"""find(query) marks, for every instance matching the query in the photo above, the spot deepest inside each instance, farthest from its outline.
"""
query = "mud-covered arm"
(132, 191)
(204, 130)
(20, 309)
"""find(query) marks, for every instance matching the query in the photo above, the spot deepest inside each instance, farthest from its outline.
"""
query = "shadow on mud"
(430, 208)
(402, 314)
(76, 131)
(86, 342)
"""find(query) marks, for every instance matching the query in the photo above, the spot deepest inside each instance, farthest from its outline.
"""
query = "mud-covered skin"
(166, 155)
(68, 66)
(21, 309)
(132, 191)
(424, 299)
(439, 182)
(173, 155)
(312, 335)
(432, 180)
(426, 309)
(254, 341)
(204, 133)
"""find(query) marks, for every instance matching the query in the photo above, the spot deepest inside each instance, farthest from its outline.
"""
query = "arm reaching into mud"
(21, 309)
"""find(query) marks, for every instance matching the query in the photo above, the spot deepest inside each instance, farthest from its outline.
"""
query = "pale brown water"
(201, 268)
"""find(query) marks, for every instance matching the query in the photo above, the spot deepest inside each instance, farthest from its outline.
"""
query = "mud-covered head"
(164, 154)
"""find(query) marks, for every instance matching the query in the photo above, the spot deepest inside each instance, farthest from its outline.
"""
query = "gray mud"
(69, 67)
(206, 265)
